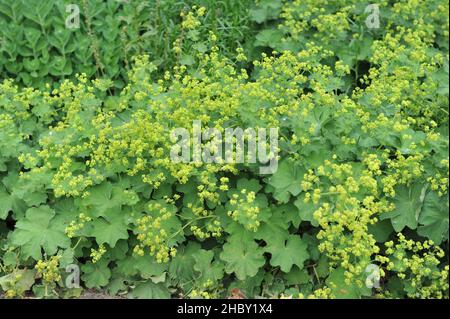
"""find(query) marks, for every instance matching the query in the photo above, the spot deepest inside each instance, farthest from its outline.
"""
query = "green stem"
(76, 245)
(192, 221)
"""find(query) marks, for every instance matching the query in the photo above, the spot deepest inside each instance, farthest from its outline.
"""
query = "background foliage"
(37, 48)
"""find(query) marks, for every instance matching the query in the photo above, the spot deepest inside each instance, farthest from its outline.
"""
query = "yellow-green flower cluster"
(208, 290)
(418, 265)
(76, 225)
(48, 270)
(97, 254)
(320, 293)
(12, 289)
(344, 218)
(190, 20)
(245, 212)
(153, 236)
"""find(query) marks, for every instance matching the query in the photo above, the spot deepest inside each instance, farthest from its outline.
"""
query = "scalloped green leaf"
(37, 232)
(243, 258)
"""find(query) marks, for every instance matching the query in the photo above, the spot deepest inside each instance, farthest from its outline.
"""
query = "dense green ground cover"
(358, 207)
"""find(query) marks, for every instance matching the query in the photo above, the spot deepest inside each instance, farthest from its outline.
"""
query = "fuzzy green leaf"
(434, 218)
(286, 181)
(408, 205)
(38, 231)
(242, 258)
(150, 290)
(96, 275)
(287, 253)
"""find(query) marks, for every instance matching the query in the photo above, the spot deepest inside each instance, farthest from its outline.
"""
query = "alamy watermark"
(239, 146)
(373, 277)
(73, 277)
(73, 19)
(373, 19)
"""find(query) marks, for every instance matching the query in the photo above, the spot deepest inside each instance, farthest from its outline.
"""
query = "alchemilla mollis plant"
(114, 175)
